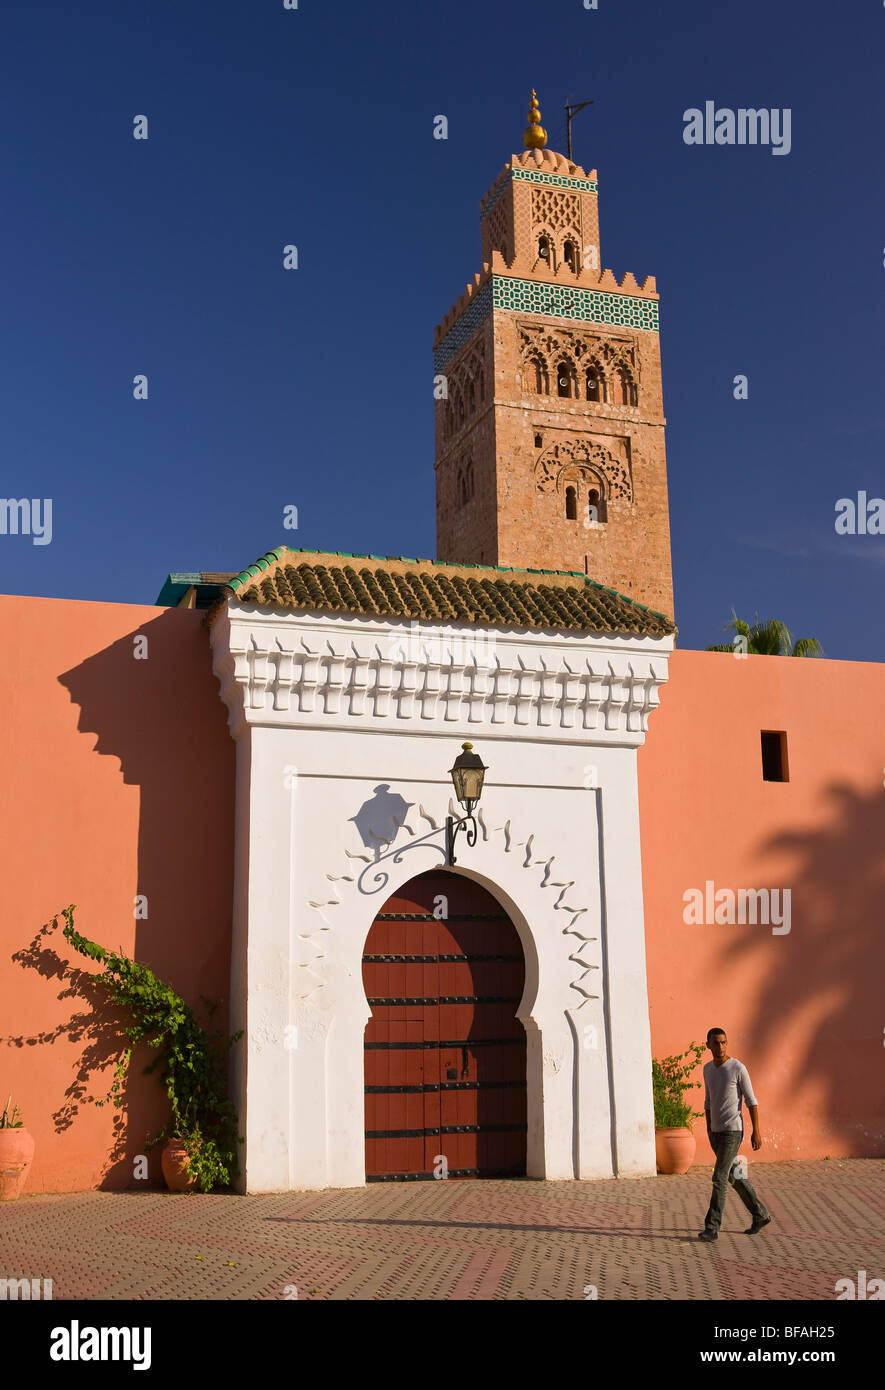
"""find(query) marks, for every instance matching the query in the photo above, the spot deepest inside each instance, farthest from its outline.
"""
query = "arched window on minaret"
(482, 384)
(468, 481)
(536, 366)
(571, 504)
(570, 256)
(596, 505)
(544, 248)
(565, 379)
(460, 410)
(471, 396)
(627, 387)
(594, 385)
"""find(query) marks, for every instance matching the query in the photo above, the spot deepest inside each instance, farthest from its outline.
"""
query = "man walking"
(726, 1082)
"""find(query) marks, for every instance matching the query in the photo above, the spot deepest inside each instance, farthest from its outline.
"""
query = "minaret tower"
(549, 414)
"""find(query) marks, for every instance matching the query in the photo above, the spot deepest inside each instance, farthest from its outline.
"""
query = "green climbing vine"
(191, 1063)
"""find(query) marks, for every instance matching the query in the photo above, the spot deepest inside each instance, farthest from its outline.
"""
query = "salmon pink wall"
(803, 1010)
(117, 779)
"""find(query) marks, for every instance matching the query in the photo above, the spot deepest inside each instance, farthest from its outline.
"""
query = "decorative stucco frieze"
(374, 879)
(301, 670)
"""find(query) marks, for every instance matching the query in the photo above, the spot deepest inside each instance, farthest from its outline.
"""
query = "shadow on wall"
(162, 717)
(380, 819)
(99, 1029)
(825, 976)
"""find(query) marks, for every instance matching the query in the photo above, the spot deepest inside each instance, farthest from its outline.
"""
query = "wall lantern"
(467, 777)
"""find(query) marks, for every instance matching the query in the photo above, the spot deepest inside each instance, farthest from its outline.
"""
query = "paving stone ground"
(630, 1239)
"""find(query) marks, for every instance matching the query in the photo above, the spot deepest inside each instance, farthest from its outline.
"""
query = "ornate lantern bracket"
(467, 773)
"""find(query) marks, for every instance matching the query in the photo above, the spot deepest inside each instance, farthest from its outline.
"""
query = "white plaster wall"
(558, 847)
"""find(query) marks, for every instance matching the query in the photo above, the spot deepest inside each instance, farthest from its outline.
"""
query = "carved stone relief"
(590, 457)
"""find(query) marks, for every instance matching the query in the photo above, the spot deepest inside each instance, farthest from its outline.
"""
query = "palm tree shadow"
(815, 1023)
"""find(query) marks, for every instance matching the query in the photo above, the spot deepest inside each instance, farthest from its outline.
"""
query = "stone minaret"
(549, 413)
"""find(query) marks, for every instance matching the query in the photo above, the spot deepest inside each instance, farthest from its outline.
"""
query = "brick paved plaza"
(631, 1239)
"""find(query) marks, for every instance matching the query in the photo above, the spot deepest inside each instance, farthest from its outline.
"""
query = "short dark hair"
(711, 1031)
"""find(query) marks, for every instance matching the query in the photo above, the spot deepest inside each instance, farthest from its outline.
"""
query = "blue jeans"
(725, 1145)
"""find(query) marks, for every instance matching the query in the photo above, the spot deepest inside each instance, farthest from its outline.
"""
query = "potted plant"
(674, 1141)
(180, 1155)
(193, 1159)
(16, 1152)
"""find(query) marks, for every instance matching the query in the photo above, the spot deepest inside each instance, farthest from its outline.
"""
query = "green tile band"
(535, 176)
(559, 301)
(557, 180)
(590, 306)
(477, 310)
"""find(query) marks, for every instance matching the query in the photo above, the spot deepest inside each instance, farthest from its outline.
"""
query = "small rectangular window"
(774, 756)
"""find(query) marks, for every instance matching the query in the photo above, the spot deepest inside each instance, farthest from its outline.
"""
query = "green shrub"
(669, 1083)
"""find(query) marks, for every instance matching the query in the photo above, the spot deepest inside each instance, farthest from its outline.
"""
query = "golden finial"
(535, 138)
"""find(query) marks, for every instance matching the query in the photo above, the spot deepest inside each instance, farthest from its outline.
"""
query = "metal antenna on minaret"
(571, 111)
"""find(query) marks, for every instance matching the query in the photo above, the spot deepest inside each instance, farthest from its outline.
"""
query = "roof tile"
(435, 590)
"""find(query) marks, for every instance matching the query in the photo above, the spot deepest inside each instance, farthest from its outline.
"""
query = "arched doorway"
(445, 1055)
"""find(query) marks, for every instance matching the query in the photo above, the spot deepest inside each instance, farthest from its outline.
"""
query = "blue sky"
(313, 388)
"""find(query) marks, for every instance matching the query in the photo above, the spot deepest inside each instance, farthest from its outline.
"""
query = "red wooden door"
(444, 1051)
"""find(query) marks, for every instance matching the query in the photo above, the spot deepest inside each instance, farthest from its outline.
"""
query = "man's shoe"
(757, 1227)
(708, 1235)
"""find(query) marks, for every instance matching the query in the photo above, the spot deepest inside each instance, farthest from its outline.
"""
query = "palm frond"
(808, 646)
(768, 638)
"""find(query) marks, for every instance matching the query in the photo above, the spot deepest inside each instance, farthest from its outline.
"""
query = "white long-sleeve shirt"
(724, 1087)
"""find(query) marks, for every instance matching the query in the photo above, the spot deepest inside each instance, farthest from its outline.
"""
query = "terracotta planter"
(172, 1161)
(674, 1150)
(16, 1157)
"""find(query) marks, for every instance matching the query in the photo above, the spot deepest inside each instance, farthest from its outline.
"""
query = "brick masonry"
(510, 441)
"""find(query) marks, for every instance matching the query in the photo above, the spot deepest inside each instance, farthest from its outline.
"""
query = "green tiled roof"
(437, 591)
